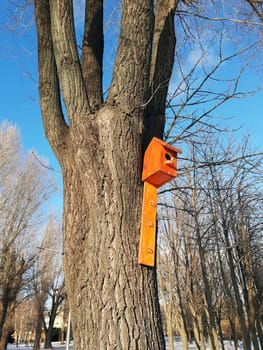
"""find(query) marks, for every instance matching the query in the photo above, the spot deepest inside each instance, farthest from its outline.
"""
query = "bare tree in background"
(217, 212)
(24, 187)
(48, 284)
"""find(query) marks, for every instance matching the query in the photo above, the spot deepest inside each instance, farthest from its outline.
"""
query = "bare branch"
(257, 8)
(47, 166)
(219, 19)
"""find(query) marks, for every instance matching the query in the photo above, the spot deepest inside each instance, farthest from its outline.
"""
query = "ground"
(56, 345)
(59, 346)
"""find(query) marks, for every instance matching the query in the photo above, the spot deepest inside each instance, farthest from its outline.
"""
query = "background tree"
(221, 242)
(48, 284)
(24, 186)
(25, 320)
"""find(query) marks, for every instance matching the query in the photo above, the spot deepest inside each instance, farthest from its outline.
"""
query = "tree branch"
(163, 52)
(67, 60)
(216, 163)
(255, 5)
(53, 119)
(92, 52)
(220, 19)
(161, 66)
(133, 56)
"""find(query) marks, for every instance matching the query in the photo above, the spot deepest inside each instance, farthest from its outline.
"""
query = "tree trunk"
(38, 328)
(113, 300)
(102, 205)
(233, 331)
(251, 311)
(38, 334)
(233, 277)
(167, 309)
(3, 317)
(48, 338)
(220, 333)
(259, 328)
(4, 337)
(184, 339)
(57, 299)
(7, 318)
(201, 334)
(195, 329)
(240, 311)
(248, 280)
(210, 313)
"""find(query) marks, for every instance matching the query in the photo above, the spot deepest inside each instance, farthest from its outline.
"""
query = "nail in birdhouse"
(160, 163)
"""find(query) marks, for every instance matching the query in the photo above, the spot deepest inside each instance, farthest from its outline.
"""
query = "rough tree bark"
(113, 300)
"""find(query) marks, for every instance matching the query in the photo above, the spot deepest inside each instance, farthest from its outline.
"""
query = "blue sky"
(19, 93)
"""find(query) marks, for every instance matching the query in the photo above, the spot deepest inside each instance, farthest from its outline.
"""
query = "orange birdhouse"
(160, 163)
(159, 167)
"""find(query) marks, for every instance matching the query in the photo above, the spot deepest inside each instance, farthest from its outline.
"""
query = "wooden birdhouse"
(159, 167)
(160, 163)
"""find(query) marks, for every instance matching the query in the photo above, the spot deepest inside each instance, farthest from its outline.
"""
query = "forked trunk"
(113, 300)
